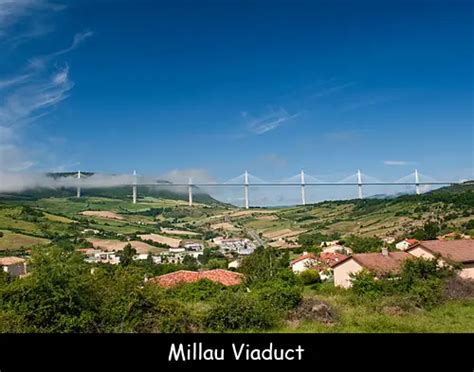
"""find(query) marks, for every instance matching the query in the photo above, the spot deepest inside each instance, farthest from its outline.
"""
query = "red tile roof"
(461, 251)
(331, 259)
(412, 241)
(303, 257)
(224, 277)
(378, 263)
(7, 261)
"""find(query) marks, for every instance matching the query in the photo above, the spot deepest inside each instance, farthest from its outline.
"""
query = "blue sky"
(220, 87)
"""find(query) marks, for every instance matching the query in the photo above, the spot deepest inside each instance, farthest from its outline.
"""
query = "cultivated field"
(172, 242)
(14, 241)
(178, 232)
(117, 245)
(103, 214)
(224, 226)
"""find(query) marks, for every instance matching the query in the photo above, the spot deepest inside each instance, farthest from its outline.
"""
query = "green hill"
(115, 192)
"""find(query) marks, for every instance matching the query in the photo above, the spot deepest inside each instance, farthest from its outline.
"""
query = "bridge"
(301, 181)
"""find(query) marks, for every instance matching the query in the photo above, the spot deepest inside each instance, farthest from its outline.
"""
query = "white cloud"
(13, 11)
(398, 162)
(269, 122)
(28, 96)
(30, 101)
(183, 175)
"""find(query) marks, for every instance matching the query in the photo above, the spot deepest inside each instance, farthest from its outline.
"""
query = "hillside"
(116, 192)
(450, 209)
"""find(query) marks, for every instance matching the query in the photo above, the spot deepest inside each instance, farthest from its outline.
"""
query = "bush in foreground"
(237, 311)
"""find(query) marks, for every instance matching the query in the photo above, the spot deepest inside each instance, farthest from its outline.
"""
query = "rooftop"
(461, 251)
(224, 277)
(303, 257)
(379, 263)
(7, 261)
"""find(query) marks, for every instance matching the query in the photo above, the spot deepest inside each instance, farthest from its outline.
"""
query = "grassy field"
(14, 241)
(453, 316)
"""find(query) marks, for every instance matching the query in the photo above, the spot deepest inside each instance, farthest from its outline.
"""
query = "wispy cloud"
(12, 81)
(29, 95)
(268, 122)
(398, 162)
(13, 11)
(30, 100)
(332, 90)
(40, 61)
(367, 102)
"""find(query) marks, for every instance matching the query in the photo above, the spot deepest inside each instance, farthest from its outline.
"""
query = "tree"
(128, 252)
(190, 262)
(58, 296)
(361, 244)
(265, 264)
(217, 263)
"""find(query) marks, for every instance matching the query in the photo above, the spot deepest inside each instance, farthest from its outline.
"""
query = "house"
(330, 259)
(303, 262)
(453, 236)
(176, 250)
(191, 245)
(14, 266)
(405, 244)
(240, 245)
(380, 263)
(224, 277)
(234, 264)
(171, 257)
(329, 243)
(337, 248)
(388, 239)
(448, 251)
(325, 262)
(98, 256)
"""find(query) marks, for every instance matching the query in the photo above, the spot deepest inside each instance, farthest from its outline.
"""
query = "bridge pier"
(303, 196)
(417, 182)
(78, 189)
(190, 192)
(134, 187)
(359, 184)
(246, 190)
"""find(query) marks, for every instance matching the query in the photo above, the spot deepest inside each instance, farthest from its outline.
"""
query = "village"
(334, 263)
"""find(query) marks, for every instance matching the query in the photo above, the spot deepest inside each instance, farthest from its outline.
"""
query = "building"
(405, 244)
(224, 277)
(14, 266)
(329, 243)
(381, 264)
(448, 251)
(192, 246)
(234, 264)
(453, 236)
(388, 239)
(325, 262)
(337, 248)
(239, 245)
(303, 262)
(99, 256)
(176, 250)
(330, 259)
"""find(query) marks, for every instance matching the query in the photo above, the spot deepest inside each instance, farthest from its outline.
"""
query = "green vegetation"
(66, 294)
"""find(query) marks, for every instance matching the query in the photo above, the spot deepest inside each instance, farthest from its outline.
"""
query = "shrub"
(364, 283)
(236, 311)
(310, 277)
(279, 295)
(419, 282)
(198, 291)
